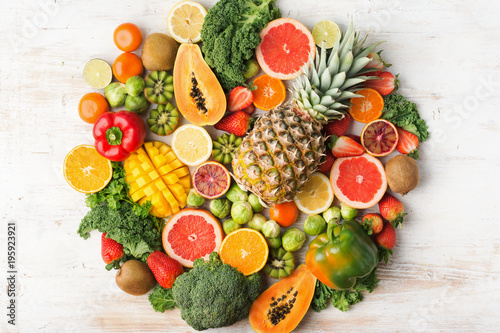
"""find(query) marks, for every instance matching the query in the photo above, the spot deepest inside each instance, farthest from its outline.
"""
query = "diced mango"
(147, 166)
(170, 157)
(177, 190)
(148, 145)
(160, 185)
(150, 189)
(159, 160)
(175, 164)
(153, 152)
(170, 178)
(164, 149)
(165, 169)
(175, 209)
(181, 172)
(153, 174)
(137, 172)
(184, 181)
(133, 188)
(143, 180)
(158, 144)
(187, 189)
(137, 195)
(170, 198)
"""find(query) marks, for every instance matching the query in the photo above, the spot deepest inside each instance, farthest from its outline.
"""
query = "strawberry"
(391, 209)
(327, 163)
(384, 86)
(111, 252)
(249, 109)
(376, 63)
(407, 143)
(236, 123)
(239, 98)
(372, 223)
(386, 240)
(346, 147)
(337, 127)
(164, 268)
(356, 138)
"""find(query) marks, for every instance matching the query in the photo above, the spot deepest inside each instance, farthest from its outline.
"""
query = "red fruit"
(391, 209)
(164, 268)
(337, 127)
(236, 123)
(407, 143)
(356, 138)
(376, 63)
(347, 147)
(249, 109)
(326, 166)
(384, 86)
(111, 252)
(387, 237)
(239, 98)
(372, 223)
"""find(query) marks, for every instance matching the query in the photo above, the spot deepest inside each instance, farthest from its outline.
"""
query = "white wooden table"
(444, 274)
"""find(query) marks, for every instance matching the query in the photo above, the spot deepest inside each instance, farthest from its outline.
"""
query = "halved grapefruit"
(191, 234)
(358, 182)
(286, 48)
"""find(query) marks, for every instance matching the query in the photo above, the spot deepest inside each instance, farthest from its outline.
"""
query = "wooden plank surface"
(444, 274)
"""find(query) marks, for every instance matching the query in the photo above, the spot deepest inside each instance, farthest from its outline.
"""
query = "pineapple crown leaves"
(325, 89)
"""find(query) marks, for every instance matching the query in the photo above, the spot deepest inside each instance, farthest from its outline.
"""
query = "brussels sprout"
(135, 85)
(254, 201)
(331, 213)
(256, 222)
(241, 212)
(293, 239)
(235, 193)
(348, 213)
(220, 207)
(251, 68)
(115, 94)
(229, 226)
(274, 243)
(314, 225)
(194, 199)
(137, 104)
(271, 229)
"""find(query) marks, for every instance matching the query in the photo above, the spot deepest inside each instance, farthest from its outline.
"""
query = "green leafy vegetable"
(161, 299)
(403, 113)
(230, 35)
(343, 299)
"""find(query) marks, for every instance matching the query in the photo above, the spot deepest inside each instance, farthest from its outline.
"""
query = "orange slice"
(85, 170)
(367, 108)
(245, 249)
(269, 94)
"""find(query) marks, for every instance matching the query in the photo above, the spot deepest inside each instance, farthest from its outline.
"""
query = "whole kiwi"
(135, 278)
(158, 52)
(402, 174)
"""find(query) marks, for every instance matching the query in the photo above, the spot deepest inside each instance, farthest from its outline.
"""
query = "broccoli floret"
(214, 294)
(230, 35)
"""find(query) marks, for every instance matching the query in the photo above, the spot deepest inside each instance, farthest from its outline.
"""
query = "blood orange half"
(286, 48)
(211, 180)
(191, 234)
(359, 181)
(379, 137)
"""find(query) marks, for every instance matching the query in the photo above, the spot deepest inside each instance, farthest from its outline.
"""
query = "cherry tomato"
(91, 106)
(127, 37)
(127, 65)
(285, 214)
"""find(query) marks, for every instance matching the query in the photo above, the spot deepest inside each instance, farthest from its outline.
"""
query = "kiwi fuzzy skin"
(402, 174)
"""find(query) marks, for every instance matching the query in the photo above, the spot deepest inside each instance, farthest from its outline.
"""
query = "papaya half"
(283, 305)
(198, 94)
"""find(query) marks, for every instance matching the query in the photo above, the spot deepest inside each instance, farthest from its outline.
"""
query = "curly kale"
(343, 299)
(214, 294)
(403, 113)
(161, 299)
(230, 35)
(139, 236)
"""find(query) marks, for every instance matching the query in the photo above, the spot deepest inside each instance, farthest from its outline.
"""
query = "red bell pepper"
(118, 134)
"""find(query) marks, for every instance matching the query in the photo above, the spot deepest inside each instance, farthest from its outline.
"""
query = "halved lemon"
(192, 144)
(185, 20)
(316, 195)
(85, 170)
(326, 32)
(97, 73)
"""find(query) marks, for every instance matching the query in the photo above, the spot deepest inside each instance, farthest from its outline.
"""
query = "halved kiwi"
(164, 119)
(159, 87)
(280, 263)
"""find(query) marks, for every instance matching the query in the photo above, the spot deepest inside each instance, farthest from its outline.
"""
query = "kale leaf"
(161, 299)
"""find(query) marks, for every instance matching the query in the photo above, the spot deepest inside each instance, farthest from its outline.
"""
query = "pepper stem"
(333, 230)
(114, 136)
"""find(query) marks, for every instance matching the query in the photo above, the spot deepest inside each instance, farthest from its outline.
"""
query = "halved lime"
(326, 32)
(97, 73)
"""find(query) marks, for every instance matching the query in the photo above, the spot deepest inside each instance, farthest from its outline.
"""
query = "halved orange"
(86, 170)
(245, 249)
(367, 108)
(269, 94)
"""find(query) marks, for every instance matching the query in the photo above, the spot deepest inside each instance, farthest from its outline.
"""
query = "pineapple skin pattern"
(285, 146)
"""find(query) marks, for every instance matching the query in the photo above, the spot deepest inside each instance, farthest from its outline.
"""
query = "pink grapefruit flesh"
(359, 181)
(191, 234)
(379, 137)
(286, 48)
(211, 180)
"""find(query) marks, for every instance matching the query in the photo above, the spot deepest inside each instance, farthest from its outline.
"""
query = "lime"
(97, 73)
(327, 32)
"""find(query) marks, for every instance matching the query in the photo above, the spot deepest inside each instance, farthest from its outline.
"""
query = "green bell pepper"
(341, 255)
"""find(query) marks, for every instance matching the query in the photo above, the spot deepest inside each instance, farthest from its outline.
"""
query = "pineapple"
(285, 146)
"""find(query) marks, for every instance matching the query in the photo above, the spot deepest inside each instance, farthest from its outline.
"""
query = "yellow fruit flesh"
(155, 174)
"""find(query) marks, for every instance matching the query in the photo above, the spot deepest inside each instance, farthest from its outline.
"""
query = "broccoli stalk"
(214, 294)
